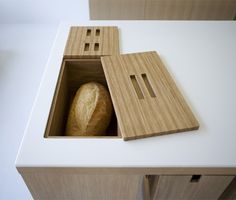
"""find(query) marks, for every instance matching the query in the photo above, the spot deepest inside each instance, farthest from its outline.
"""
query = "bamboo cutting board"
(146, 100)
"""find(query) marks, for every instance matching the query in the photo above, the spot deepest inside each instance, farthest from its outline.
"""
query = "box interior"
(74, 73)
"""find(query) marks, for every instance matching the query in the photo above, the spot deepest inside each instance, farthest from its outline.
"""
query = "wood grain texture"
(230, 192)
(146, 188)
(166, 112)
(133, 170)
(162, 9)
(92, 42)
(116, 9)
(153, 184)
(70, 186)
(181, 187)
(57, 116)
(190, 9)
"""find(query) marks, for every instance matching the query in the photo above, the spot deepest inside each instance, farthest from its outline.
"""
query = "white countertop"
(201, 58)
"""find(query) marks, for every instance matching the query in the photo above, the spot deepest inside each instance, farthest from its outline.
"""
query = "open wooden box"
(81, 64)
(145, 98)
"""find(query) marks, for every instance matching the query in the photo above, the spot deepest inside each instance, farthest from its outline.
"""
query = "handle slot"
(88, 32)
(86, 47)
(96, 46)
(195, 178)
(136, 87)
(97, 32)
(148, 85)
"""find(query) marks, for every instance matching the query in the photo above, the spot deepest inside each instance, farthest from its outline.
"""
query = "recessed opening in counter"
(74, 73)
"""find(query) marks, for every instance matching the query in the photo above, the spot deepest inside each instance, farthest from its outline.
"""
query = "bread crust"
(90, 112)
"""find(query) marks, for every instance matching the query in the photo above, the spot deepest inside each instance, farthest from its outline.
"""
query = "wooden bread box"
(145, 98)
(81, 64)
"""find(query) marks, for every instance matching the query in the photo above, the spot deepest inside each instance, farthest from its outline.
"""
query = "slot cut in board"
(136, 87)
(96, 46)
(148, 85)
(88, 32)
(86, 47)
(169, 113)
(97, 32)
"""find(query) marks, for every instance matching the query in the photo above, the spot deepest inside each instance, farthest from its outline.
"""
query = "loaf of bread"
(90, 112)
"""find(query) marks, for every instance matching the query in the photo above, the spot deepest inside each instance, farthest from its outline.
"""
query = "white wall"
(42, 11)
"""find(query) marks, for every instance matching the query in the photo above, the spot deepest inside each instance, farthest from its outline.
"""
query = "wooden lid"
(146, 100)
(92, 42)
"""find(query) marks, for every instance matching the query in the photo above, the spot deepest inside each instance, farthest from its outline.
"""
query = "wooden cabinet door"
(191, 187)
(74, 186)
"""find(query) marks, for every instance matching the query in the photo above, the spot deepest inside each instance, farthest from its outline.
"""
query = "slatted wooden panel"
(163, 9)
(92, 42)
(116, 9)
(190, 9)
(182, 188)
(146, 100)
